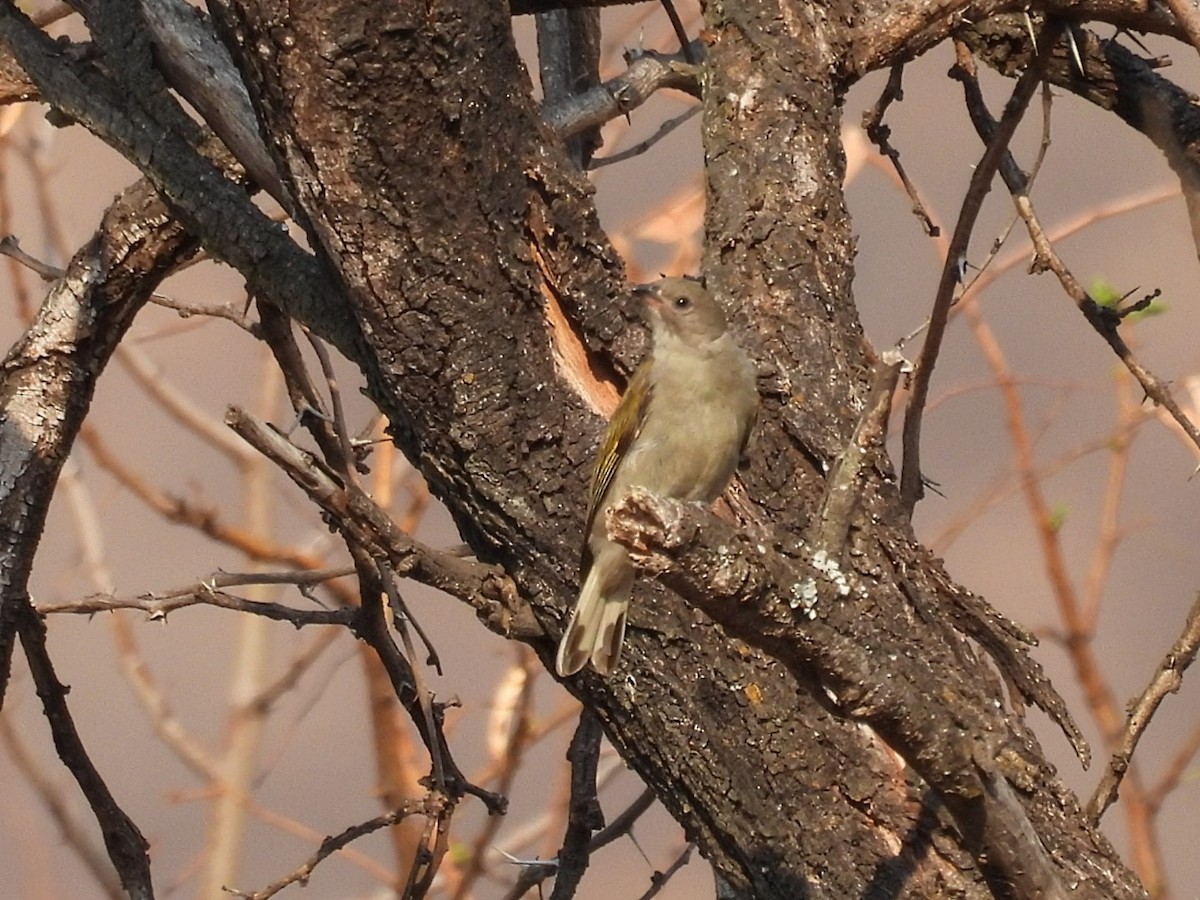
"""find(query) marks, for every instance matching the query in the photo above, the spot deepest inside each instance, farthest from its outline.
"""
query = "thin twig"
(11, 247)
(1109, 532)
(1166, 680)
(340, 427)
(127, 848)
(911, 484)
(158, 605)
(1101, 702)
(680, 31)
(623, 823)
(534, 872)
(179, 510)
(1174, 771)
(638, 149)
(584, 815)
(231, 312)
(1188, 17)
(880, 135)
(659, 879)
(428, 806)
(365, 525)
(512, 732)
(400, 621)
(1043, 149)
(1105, 320)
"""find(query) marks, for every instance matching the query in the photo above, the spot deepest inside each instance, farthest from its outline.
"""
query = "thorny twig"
(648, 73)
(507, 753)
(911, 485)
(584, 815)
(880, 135)
(432, 806)
(535, 872)
(1166, 680)
(642, 146)
(1104, 319)
(659, 879)
(158, 604)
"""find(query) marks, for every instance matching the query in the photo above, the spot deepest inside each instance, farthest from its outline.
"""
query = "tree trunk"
(460, 233)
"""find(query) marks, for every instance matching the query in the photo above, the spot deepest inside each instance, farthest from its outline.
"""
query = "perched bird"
(678, 432)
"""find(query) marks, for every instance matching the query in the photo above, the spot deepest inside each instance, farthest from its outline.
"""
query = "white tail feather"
(595, 631)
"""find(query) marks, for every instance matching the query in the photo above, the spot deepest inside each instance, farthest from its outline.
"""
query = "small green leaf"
(1058, 517)
(1104, 293)
(1107, 296)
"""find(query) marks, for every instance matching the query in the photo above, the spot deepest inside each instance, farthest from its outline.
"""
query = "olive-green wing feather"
(744, 448)
(623, 428)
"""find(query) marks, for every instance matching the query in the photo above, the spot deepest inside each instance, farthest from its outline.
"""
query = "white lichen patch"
(746, 101)
(804, 594)
(828, 566)
(803, 598)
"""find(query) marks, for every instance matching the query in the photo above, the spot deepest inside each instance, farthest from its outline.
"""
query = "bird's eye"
(682, 302)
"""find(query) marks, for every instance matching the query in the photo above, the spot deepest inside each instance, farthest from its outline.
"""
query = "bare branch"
(127, 848)
(159, 604)
(210, 204)
(432, 805)
(648, 72)
(911, 486)
(885, 29)
(1104, 319)
(484, 587)
(800, 611)
(1166, 680)
(583, 811)
(880, 135)
(659, 879)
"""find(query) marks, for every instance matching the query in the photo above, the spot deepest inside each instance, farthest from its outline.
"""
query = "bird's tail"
(595, 632)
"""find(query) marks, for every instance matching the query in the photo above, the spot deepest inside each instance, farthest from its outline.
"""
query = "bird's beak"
(648, 294)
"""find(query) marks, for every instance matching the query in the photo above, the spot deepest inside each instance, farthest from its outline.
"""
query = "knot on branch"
(665, 536)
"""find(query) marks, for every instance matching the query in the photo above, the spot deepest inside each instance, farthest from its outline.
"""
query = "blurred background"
(237, 744)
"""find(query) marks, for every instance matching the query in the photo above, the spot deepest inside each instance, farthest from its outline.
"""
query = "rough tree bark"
(415, 152)
(838, 738)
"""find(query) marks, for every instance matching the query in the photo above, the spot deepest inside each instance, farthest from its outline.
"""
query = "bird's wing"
(744, 447)
(623, 429)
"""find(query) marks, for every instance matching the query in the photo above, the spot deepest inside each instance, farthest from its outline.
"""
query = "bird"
(679, 431)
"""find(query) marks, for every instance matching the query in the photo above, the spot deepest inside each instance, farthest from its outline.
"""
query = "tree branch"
(1166, 680)
(212, 207)
(50, 375)
(911, 485)
(363, 523)
(812, 614)
(1105, 320)
(648, 72)
(583, 812)
(127, 848)
(889, 30)
(432, 806)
